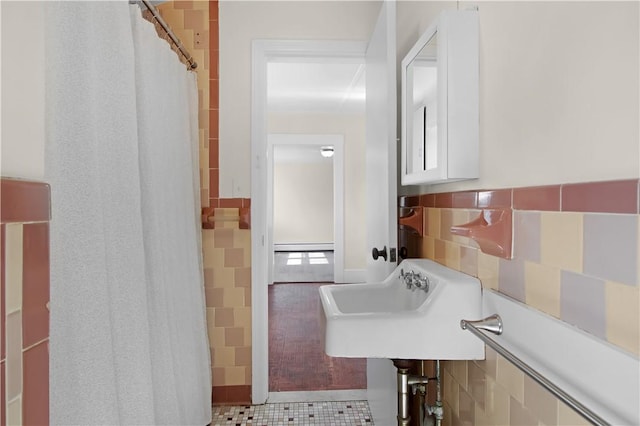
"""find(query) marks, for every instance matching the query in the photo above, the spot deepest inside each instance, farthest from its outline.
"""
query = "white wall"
(558, 90)
(303, 203)
(244, 21)
(22, 143)
(353, 129)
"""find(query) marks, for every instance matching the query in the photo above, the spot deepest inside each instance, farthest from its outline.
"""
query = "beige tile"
(242, 277)
(223, 238)
(247, 336)
(511, 379)
(174, 17)
(542, 288)
(623, 316)
(242, 316)
(204, 196)
(213, 297)
(482, 419)
(489, 364)
(234, 376)
(242, 238)
(229, 224)
(446, 222)
(227, 212)
(234, 258)
(13, 267)
(224, 317)
(224, 357)
(218, 377)
(234, 336)
(428, 247)
(568, 417)
(469, 260)
(488, 270)
(247, 375)
(213, 258)
(201, 5)
(561, 238)
(216, 336)
(540, 401)
(459, 372)
(243, 357)
(186, 37)
(448, 414)
(460, 217)
(521, 415)
(433, 220)
(477, 383)
(246, 260)
(452, 255)
(233, 297)
(223, 278)
(451, 391)
(14, 412)
(466, 408)
(211, 316)
(496, 405)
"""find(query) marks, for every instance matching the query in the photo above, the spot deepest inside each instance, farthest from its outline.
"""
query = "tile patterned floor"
(297, 361)
(343, 413)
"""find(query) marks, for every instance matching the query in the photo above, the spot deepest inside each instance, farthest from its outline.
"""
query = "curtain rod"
(156, 15)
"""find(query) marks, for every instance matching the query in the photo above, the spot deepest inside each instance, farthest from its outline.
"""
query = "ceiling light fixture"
(326, 151)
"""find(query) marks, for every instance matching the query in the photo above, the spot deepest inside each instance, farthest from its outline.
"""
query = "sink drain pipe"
(408, 382)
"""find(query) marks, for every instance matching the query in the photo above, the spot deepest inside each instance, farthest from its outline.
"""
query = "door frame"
(297, 139)
(262, 51)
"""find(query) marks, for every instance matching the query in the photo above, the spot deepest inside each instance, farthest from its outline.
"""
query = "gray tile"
(610, 247)
(582, 303)
(511, 279)
(526, 237)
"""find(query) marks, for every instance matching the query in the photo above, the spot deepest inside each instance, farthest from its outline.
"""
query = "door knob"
(379, 253)
(404, 253)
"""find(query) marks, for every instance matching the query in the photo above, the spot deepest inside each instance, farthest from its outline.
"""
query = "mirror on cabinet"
(440, 126)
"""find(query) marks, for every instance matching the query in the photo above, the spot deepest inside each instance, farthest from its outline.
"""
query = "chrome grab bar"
(493, 324)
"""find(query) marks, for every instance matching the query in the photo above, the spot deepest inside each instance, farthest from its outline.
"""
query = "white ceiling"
(314, 86)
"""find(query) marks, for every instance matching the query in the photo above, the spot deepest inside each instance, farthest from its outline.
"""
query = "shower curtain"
(128, 328)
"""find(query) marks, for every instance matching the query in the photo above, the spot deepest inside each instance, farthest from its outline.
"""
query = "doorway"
(305, 207)
(263, 123)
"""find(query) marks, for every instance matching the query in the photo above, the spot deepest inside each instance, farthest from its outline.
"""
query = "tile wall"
(576, 258)
(226, 221)
(227, 274)
(24, 311)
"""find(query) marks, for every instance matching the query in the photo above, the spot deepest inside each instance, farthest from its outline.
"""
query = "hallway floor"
(302, 267)
(297, 361)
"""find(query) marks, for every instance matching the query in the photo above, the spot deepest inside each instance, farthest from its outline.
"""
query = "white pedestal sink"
(388, 320)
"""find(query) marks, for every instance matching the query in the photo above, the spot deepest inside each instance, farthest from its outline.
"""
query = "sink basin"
(388, 320)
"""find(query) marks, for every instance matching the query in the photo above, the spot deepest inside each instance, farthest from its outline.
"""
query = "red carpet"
(297, 361)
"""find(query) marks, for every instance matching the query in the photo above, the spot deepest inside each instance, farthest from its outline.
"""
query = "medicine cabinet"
(440, 119)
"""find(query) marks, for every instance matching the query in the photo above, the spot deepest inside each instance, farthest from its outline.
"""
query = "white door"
(381, 189)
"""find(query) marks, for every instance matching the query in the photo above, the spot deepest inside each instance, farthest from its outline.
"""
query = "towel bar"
(529, 371)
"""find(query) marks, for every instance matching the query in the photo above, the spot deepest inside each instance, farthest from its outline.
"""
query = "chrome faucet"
(414, 280)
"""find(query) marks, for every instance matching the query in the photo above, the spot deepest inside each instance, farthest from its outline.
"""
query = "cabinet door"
(440, 130)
